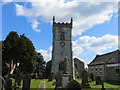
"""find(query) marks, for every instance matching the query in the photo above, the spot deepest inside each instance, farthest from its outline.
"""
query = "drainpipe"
(105, 72)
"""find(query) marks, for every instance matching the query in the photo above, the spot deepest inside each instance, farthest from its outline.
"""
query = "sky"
(95, 24)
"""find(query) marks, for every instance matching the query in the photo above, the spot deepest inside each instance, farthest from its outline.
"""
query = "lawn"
(49, 84)
(35, 83)
(106, 85)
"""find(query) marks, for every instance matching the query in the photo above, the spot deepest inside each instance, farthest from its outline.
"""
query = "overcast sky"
(95, 24)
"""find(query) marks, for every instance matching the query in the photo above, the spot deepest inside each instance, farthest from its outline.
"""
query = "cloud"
(46, 54)
(85, 14)
(35, 26)
(77, 50)
(97, 44)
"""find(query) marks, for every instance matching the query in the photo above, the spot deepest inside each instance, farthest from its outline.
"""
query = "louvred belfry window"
(62, 36)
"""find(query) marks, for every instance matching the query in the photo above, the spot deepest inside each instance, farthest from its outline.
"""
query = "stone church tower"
(62, 47)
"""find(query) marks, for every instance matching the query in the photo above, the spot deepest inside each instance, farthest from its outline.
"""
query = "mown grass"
(49, 84)
(35, 83)
(106, 85)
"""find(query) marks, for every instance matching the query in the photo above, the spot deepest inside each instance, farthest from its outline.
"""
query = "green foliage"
(10, 47)
(19, 49)
(27, 55)
(49, 84)
(40, 66)
(35, 83)
(93, 85)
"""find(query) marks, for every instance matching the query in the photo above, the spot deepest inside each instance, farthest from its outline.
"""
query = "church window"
(118, 71)
(62, 36)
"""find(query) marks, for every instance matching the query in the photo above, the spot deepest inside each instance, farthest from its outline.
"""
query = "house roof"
(108, 58)
(76, 59)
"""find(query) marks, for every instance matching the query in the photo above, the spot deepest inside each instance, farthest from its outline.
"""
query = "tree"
(40, 65)
(10, 49)
(27, 55)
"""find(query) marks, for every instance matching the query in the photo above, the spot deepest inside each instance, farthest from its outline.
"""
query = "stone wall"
(111, 74)
(79, 67)
(97, 70)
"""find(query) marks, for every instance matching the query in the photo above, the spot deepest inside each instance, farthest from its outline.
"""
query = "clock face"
(62, 44)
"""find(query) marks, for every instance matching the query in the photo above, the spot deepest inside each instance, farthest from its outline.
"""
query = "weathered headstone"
(102, 86)
(26, 82)
(85, 83)
(73, 85)
(50, 77)
(8, 84)
(92, 77)
(58, 81)
(98, 80)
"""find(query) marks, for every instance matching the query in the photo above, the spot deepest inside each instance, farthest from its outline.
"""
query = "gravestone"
(85, 83)
(50, 77)
(26, 82)
(73, 85)
(102, 86)
(8, 84)
(98, 80)
(58, 79)
(92, 77)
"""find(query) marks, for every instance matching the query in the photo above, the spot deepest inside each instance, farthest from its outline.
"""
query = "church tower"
(62, 47)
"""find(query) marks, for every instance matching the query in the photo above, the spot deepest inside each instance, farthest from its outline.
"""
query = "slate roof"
(108, 58)
(76, 59)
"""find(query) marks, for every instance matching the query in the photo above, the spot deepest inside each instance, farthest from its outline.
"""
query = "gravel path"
(42, 86)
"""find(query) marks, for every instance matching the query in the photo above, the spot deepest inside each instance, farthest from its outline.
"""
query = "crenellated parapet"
(62, 24)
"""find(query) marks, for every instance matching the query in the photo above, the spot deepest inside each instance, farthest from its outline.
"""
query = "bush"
(73, 84)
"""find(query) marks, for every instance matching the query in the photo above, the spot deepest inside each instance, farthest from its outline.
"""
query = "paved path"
(42, 86)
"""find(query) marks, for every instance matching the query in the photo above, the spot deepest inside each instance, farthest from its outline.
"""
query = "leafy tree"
(27, 55)
(19, 49)
(40, 65)
(10, 49)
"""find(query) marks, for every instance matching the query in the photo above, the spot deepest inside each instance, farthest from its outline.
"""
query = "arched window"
(62, 36)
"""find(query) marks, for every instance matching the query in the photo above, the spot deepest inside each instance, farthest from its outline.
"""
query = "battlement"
(62, 24)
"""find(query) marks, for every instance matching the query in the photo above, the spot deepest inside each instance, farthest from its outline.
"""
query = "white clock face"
(62, 44)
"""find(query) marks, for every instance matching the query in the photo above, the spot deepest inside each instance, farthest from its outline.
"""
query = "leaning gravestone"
(85, 83)
(73, 85)
(26, 82)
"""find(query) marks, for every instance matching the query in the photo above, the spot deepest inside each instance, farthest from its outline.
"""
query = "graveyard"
(59, 73)
(50, 84)
(65, 64)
